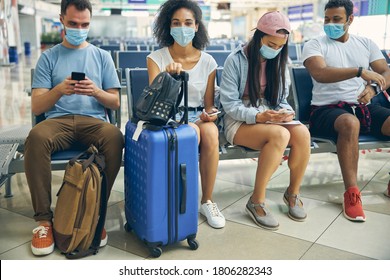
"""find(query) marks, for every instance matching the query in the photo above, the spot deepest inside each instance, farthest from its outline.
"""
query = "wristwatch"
(376, 88)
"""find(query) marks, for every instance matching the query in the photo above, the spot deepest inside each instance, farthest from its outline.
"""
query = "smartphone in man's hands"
(78, 76)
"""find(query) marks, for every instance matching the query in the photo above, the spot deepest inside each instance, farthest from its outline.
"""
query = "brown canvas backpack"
(81, 206)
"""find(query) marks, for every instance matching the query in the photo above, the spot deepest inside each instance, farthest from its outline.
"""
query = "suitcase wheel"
(155, 251)
(193, 243)
(127, 227)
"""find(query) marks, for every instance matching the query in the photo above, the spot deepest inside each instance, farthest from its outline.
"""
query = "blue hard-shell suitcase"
(161, 185)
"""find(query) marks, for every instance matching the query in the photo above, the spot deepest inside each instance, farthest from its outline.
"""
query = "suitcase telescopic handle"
(185, 77)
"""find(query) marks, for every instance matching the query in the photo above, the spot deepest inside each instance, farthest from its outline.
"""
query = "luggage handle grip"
(184, 77)
(183, 177)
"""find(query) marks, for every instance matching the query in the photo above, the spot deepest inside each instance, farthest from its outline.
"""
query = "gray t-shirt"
(58, 62)
(356, 52)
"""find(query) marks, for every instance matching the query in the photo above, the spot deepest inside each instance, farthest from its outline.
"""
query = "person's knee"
(36, 137)
(114, 135)
(209, 130)
(302, 133)
(209, 134)
(111, 146)
(279, 136)
(347, 124)
(118, 140)
(385, 130)
(197, 130)
(347, 121)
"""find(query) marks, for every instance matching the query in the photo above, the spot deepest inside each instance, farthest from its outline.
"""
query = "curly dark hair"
(80, 5)
(275, 70)
(162, 24)
(347, 4)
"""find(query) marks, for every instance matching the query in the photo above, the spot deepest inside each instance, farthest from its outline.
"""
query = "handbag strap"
(183, 93)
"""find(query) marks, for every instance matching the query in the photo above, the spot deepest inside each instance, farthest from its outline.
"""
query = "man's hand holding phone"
(83, 85)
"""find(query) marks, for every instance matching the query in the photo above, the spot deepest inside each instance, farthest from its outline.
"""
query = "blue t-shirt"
(58, 62)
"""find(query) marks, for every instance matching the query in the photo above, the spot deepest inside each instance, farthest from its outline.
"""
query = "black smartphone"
(78, 76)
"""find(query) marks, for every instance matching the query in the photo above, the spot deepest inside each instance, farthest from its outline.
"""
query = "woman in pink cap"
(253, 94)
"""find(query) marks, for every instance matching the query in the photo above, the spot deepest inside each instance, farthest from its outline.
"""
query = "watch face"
(376, 88)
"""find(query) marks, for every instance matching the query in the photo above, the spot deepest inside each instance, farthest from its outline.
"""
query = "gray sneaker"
(296, 212)
(268, 221)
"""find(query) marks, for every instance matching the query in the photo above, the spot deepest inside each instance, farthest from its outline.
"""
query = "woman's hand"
(209, 115)
(275, 116)
(174, 68)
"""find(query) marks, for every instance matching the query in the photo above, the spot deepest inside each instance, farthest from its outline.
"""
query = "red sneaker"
(43, 241)
(352, 206)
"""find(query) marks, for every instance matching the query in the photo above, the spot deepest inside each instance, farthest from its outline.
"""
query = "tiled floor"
(325, 235)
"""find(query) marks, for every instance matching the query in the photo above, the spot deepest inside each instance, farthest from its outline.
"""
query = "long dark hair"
(162, 25)
(275, 70)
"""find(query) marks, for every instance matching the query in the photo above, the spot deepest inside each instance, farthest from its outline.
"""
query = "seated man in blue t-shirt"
(74, 111)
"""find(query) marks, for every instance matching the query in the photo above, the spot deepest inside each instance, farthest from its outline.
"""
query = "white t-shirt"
(356, 52)
(198, 75)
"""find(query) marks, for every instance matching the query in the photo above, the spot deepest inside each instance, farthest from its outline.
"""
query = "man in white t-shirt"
(347, 72)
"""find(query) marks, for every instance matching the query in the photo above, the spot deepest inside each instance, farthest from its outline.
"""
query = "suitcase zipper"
(171, 149)
(176, 194)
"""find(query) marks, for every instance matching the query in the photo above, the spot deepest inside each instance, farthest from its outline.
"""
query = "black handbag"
(159, 101)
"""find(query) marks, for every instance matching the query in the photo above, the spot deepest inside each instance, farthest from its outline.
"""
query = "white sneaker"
(214, 216)
(104, 238)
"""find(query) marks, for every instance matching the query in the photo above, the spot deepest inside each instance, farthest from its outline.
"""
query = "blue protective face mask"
(76, 36)
(269, 53)
(334, 30)
(183, 35)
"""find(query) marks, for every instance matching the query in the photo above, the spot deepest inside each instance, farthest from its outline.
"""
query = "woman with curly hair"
(181, 33)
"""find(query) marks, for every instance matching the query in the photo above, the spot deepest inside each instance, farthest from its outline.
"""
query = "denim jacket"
(234, 77)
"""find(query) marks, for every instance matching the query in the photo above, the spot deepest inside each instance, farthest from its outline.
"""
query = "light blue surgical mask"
(334, 30)
(76, 36)
(269, 53)
(183, 35)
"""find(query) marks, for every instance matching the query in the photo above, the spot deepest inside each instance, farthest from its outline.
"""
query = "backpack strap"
(91, 155)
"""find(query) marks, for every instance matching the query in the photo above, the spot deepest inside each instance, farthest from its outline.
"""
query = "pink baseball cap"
(271, 22)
